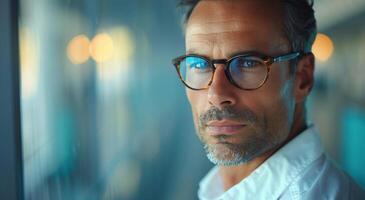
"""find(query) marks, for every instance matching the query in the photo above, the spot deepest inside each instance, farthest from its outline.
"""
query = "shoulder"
(323, 180)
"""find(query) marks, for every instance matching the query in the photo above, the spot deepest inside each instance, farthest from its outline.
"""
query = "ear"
(304, 77)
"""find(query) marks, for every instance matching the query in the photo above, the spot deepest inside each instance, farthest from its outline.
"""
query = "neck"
(231, 175)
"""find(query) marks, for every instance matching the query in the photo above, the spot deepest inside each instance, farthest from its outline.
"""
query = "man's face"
(238, 125)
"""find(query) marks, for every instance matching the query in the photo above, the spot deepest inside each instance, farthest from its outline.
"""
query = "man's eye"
(247, 63)
(200, 65)
(196, 64)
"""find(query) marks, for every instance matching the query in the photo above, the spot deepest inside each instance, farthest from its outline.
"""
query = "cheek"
(280, 116)
(196, 100)
(279, 86)
(275, 102)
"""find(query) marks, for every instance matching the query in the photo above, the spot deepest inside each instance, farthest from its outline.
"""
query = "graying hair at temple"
(299, 21)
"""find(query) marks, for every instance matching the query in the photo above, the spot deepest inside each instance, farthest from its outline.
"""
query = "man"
(248, 70)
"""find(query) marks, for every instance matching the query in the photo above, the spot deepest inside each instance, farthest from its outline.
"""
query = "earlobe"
(304, 77)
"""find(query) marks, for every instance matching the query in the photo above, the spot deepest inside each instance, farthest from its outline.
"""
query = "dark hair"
(298, 20)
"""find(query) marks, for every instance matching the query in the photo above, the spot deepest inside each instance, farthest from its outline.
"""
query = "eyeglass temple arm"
(175, 61)
(287, 57)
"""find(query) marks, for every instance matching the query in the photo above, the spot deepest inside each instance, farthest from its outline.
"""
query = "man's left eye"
(246, 63)
(250, 63)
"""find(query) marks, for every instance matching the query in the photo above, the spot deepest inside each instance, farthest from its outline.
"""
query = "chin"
(225, 154)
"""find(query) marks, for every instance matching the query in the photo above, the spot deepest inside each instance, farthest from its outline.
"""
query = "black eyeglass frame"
(268, 61)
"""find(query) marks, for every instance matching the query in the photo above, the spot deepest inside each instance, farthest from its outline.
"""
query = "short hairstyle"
(299, 23)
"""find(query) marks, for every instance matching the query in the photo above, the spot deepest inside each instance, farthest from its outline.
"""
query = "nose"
(221, 91)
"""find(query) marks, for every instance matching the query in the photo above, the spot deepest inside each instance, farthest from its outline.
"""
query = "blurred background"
(104, 115)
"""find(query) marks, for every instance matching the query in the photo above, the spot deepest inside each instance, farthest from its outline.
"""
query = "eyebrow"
(193, 52)
(238, 52)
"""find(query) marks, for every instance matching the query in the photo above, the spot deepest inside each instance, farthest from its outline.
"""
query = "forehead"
(235, 23)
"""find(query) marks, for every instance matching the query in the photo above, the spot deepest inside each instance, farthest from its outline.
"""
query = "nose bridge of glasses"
(219, 61)
(222, 73)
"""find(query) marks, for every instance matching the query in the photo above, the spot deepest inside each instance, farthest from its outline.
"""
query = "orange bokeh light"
(78, 49)
(323, 47)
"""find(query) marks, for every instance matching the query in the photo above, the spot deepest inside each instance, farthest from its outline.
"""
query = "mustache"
(244, 115)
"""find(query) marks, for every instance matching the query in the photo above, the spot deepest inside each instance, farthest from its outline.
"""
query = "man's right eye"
(199, 67)
(197, 64)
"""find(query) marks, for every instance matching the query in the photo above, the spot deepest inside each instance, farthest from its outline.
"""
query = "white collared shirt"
(299, 170)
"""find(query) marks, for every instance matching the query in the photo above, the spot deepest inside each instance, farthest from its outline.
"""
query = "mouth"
(224, 127)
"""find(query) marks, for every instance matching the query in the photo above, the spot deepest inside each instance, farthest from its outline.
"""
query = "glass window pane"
(104, 114)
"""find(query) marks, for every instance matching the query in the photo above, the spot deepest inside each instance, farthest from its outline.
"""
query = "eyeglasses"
(246, 71)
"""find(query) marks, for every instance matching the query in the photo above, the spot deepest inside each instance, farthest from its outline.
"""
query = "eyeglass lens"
(247, 72)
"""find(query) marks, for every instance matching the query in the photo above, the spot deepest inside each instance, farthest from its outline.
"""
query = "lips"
(224, 127)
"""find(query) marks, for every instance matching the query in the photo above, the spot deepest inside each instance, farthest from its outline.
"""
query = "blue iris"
(245, 63)
(196, 62)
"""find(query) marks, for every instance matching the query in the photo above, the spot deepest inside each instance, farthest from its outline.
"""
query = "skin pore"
(253, 124)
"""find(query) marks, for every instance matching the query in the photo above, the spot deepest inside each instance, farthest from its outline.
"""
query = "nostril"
(226, 103)
(220, 98)
(219, 104)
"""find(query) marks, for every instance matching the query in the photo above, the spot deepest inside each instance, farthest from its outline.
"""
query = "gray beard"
(227, 157)
(227, 154)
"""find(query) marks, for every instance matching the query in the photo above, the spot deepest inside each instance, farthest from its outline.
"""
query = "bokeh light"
(124, 43)
(78, 49)
(117, 66)
(323, 47)
(102, 47)
(29, 62)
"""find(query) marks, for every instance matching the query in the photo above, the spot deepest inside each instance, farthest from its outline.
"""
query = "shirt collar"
(272, 177)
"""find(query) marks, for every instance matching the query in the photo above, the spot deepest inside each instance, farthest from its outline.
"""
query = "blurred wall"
(338, 100)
